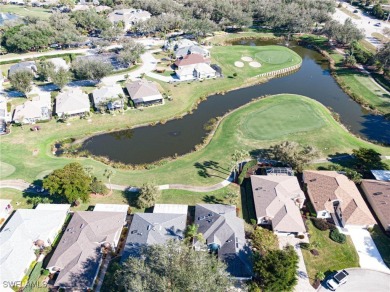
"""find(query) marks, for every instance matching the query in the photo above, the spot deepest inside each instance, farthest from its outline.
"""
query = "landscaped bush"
(336, 236)
(320, 224)
(304, 245)
(314, 252)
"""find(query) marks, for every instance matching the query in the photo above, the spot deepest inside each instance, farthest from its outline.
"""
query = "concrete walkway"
(303, 278)
(369, 256)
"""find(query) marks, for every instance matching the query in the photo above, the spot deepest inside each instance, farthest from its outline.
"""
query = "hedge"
(336, 236)
(244, 170)
(320, 224)
(33, 278)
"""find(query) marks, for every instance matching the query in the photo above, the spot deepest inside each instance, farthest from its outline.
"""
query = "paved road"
(363, 280)
(365, 22)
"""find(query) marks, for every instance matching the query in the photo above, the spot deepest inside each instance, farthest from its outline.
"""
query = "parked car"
(337, 280)
(356, 11)
(378, 24)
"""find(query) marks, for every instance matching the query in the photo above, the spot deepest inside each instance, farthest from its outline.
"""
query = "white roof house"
(108, 93)
(128, 16)
(144, 92)
(111, 208)
(170, 208)
(37, 109)
(26, 229)
(197, 71)
(72, 102)
(53, 207)
(59, 63)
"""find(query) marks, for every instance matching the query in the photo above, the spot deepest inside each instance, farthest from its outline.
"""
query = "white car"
(339, 279)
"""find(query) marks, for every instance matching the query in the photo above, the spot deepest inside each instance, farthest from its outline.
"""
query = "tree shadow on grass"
(211, 199)
(205, 167)
(130, 197)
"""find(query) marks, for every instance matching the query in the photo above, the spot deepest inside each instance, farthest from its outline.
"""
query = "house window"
(324, 213)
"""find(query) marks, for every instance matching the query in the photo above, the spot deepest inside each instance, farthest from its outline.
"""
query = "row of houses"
(278, 199)
(80, 247)
(74, 101)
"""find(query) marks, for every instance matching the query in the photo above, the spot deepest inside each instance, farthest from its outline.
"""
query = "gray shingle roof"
(78, 253)
(153, 228)
(28, 66)
(219, 224)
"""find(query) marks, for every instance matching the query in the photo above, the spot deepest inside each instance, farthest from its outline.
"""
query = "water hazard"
(151, 143)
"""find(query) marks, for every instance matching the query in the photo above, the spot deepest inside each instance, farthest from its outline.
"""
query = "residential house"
(72, 102)
(78, 256)
(177, 44)
(278, 200)
(26, 231)
(108, 58)
(5, 210)
(334, 196)
(108, 97)
(128, 17)
(59, 63)
(144, 93)
(378, 196)
(191, 50)
(190, 60)
(225, 236)
(23, 66)
(34, 110)
(153, 228)
(381, 174)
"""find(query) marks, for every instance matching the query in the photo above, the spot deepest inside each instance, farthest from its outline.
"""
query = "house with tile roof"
(333, 195)
(175, 44)
(72, 102)
(225, 236)
(190, 60)
(377, 194)
(144, 93)
(108, 97)
(182, 52)
(153, 228)
(278, 200)
(78, 256)
(37, 109)
(26, 231)
(29, 66)
(129, 17)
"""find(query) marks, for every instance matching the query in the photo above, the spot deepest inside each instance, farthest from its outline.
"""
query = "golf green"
(280, 119)
(274, 57)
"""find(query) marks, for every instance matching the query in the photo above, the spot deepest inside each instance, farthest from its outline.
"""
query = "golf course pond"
(177, 137)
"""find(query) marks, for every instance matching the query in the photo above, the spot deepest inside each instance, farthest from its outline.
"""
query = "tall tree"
(22, 81)
(264, 240)
(277, 270)
(70, 182)
(368, 158)
(172, 267)
(383, 56)
(45, 70)
(61, 77)
(87, 69)
(148, 195)
(292, 153)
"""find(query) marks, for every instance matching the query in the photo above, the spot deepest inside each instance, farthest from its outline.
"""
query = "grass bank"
(382, 242)
(332, 256)
(290, 117)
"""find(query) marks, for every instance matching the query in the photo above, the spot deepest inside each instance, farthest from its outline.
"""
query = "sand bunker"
(239, 64)
(247, 59)
(255, 64)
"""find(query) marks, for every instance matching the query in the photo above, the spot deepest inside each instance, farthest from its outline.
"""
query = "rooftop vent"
(378, 193)
(314, 179)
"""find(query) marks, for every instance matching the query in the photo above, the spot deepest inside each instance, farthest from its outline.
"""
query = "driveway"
(303, 278)
(369, 256)
(363, 280)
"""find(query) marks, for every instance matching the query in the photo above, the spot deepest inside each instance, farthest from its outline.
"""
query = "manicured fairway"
(26, 11)
(6, 169)
(190, 169)
(276, 121)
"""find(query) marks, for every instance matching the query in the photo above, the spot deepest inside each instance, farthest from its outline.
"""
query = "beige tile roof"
(378, 194)
(324, 187)
(143, 90)
(274, 197)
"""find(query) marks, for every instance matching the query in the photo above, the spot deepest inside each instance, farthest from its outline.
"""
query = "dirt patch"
(92, 195)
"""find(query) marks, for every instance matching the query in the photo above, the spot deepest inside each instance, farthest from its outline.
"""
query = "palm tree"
(191, 233)
(236, 158)
(108, 173)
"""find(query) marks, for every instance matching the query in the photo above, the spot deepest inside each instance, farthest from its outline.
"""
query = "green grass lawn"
(26, 11)
(333, 256)
(382, 242)
(330, 138)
